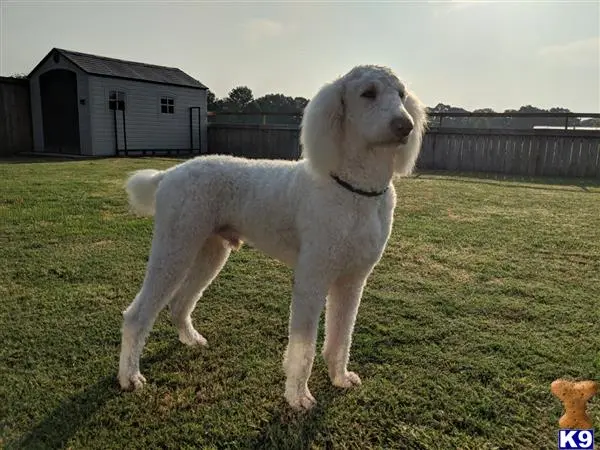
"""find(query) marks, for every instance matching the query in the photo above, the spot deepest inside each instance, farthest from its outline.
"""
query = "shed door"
(60, 113)
(195, 137)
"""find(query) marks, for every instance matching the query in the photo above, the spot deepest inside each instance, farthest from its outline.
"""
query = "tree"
(590, 123)
(530, 109)
(560, 110)
(300, 103)
(240, 97)
(441, 107)
(281, 103)
(530, 122)
(211, 100)
(452, 122)
(253, 107)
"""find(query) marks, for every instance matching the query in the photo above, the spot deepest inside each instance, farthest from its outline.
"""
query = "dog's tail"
(141, 190)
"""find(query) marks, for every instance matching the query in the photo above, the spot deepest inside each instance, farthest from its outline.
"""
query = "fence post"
(434, 143)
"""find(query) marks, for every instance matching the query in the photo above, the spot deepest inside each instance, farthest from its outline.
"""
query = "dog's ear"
(404, 160)
(322, 129)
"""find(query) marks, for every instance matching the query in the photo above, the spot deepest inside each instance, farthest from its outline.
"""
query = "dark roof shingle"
(118, 68)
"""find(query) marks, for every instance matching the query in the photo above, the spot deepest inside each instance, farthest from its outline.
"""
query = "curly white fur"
(357, 128)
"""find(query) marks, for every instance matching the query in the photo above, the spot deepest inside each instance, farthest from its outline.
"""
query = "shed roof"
(130, 70)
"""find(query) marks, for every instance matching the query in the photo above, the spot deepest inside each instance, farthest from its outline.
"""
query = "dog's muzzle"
(401, 128)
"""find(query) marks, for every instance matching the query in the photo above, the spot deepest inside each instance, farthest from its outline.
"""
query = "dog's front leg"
(342, 307)
(308, 300)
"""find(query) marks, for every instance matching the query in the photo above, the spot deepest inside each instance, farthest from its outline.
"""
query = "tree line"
(241, 99)
(510, 122)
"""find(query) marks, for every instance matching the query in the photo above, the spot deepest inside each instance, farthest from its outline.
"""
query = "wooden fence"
(15, 116)
(559, 151)
(255, 141)
(519, 152)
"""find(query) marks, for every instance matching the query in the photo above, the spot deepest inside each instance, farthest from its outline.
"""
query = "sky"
(477, 54)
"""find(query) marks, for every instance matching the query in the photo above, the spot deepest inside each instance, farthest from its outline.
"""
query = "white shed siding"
(36, 104)
(147, 127)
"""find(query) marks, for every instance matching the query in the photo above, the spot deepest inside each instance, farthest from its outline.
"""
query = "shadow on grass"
(545, 183)
(296, 430)
(74, 412)
(55, 430)
(32, 159)
(35, 159)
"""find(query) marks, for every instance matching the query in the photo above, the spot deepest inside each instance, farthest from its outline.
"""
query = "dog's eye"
(369, 93)
(402, 94)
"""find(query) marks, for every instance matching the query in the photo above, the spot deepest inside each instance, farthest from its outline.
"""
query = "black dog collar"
(356, 190)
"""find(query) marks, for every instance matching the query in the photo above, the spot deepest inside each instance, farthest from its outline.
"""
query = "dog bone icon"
(574, 397)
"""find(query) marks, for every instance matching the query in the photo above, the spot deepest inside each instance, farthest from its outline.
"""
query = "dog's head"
(369, 107)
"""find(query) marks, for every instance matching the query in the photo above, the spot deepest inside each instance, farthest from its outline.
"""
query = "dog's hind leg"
(207, 265)
(173, 251)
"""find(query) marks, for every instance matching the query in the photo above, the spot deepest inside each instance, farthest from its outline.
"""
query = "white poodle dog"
(328, 216)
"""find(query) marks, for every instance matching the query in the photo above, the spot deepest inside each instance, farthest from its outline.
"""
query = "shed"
(97, 106)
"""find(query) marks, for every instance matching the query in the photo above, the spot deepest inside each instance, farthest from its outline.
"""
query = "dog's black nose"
(401, 126)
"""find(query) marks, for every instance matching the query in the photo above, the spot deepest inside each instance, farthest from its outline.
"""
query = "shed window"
(116, 100)
(167, 105)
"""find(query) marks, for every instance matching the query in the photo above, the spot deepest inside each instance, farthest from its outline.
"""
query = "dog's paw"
(302, 401)
(347, 380)
(192, 338)
(132, 382)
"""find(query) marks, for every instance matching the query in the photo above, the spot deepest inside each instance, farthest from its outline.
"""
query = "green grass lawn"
(488, 291)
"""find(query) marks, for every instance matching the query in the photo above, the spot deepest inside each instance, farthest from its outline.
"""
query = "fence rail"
(562, 151)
